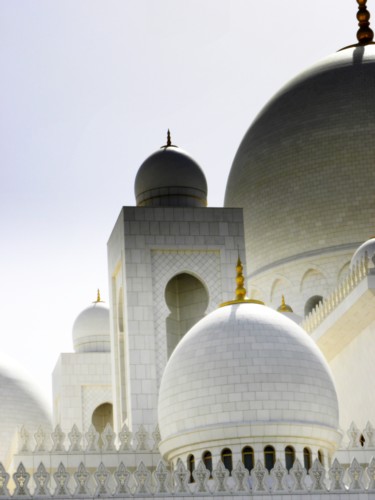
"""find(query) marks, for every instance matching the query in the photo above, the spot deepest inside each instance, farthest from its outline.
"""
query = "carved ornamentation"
(298, 473)
(125, 437)
(143, 478)
(336, 474)
(318, 474)
(41, 478)
(258, 475)
(61, 477)
(58, 438)
(122, 476)
(75, 438)
(92, 440)
(108, 438)
(142, 438)
(21, 479)
(355, 473)
(201, 476)
(241, 476)
(162, 479)
(181, 478)
(102, 477)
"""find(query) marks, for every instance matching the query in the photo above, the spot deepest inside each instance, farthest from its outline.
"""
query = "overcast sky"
(88, 89)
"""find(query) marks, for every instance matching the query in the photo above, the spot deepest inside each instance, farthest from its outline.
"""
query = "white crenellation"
(144, 482)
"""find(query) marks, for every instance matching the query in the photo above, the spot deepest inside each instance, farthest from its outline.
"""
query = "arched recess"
(313, 284)
(311, 303)
(281, 286)
(102, 415)
(187, 300)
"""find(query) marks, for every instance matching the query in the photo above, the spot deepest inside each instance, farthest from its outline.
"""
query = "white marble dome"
(21, 405)
(245, 374)
(170, 177)
(367, 249)
(304, 171)
(91, 330)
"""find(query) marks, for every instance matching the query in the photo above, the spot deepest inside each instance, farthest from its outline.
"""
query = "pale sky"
(87, 92)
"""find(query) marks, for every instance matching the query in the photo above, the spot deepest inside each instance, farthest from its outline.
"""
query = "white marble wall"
(147, 248)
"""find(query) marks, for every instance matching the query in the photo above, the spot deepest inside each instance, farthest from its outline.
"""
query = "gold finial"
(240, 280)
(365, 35)
(169, 141)
(284, 307)
(98, 299)
(240, 289)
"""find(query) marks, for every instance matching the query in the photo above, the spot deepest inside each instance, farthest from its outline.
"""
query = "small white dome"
(366, 249)
(246, 374)
(91, 331)
(21, 405)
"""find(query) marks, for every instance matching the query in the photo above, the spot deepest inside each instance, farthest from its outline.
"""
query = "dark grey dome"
(305, 170)
(170, 177)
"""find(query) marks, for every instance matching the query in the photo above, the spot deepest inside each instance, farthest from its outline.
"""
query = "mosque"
(237, 353)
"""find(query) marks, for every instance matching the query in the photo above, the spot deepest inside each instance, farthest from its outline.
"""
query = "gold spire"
(240, 289)
(284, 307)
(365, 35)
(169, 141)
(98, 299)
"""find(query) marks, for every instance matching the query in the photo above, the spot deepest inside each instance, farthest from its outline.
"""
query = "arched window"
(187, 300)
(311, 303)
(226, 458)
(290, 456)
(207, 460)
(248, 458)
(307, 459)
(102, 416)
(191, 467)
(269, 457)
(321, 457)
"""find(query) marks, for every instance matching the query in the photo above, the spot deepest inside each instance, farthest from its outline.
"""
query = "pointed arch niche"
(187, 300)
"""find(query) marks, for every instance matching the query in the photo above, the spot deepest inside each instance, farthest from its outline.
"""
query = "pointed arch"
(187, 300)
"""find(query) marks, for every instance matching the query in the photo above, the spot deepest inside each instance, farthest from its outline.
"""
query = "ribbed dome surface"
(240, 372)
(91, 330)
(304, 172)
(170, 177)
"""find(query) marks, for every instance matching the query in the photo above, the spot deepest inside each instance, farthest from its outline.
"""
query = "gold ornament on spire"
(284, 307)
(98, 299)
(365, 35)
(240, 289)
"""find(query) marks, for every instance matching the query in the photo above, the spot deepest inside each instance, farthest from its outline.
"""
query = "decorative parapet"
(347, 285)
(162, 482)
(91, 442)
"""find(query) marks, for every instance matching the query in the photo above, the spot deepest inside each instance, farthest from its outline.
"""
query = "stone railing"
(162, 482)
(90, 442)
(324, 308)
(361, 439)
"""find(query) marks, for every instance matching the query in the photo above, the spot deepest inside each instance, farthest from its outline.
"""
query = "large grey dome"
(170, 177)
(305, 170)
